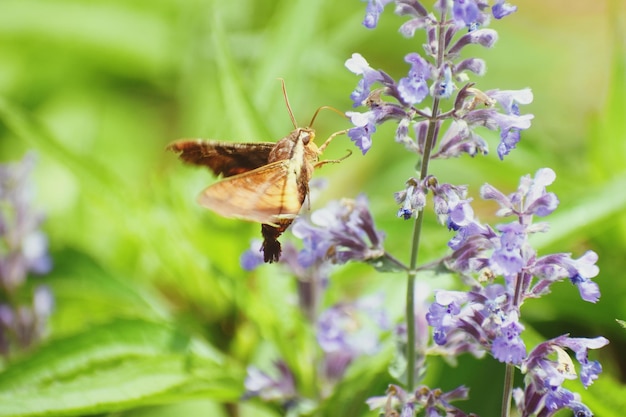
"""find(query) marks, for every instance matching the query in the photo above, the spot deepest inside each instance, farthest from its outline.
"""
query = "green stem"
(507, 396)
(509, 373)
(417, 229)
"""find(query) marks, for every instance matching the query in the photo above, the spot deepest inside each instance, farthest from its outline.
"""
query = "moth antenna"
(293, 119)
(325, 108)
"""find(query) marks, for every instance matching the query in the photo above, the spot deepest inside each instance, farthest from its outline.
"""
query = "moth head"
(306, 135)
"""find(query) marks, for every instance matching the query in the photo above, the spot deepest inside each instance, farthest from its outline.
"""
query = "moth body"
(264, 182)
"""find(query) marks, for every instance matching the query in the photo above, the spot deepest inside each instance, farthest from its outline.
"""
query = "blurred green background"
(98, 88)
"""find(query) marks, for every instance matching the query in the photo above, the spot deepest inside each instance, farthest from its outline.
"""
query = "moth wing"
(265, 195)
(223, 158)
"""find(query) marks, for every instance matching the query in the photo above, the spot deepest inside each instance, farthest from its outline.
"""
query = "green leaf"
(120, 365)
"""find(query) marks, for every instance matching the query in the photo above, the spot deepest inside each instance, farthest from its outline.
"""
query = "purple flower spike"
(23, 251)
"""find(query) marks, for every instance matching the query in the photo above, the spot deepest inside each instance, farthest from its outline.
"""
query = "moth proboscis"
(264, 182)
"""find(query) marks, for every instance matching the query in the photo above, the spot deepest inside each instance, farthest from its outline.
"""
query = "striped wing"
(223, 158)
(267, 195)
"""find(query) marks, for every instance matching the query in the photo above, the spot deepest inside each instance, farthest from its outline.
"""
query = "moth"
(264, 182)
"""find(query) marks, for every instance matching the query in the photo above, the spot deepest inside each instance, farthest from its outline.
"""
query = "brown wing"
(223, 158)
(266, 195)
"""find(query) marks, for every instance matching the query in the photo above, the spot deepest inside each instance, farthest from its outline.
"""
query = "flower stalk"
(496, 265)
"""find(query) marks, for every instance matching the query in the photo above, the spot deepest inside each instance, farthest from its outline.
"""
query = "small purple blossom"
(444, 86)
(372, 12)
(361, 134)
(580, 271)
(412, 199)
(485, 316)
(252, 257)
(508, 346)
(349, 330)
(465, 11)
(530, 198)
(483, 37)
(23, 251)
(280, 388)
(432, 402)
(358, 65)
(510, 123)
(342, 231)
(25, 246)
(510, 100)
(420, 16)
(551, 268)
(442, 314)
(502, 9)
(507, 259)
(413, 88)
(544, 393)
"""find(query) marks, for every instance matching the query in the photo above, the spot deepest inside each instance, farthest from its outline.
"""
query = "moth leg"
(332, 161)
(330, 138)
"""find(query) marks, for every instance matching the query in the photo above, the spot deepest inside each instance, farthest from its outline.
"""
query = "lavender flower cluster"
(498, 265)
(23, 250)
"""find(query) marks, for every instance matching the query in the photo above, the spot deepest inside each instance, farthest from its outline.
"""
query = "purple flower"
(544, 394)
(253, 257)
(530, 198)
(372, 12)
(580, 271)
(451, 204)
(483, 37)
(501, 9)
(483, 318)
(358, 65)
(510, 100)
(589, 369)
(510, 123)
(442, 314)
(413, 88)
(551, 268)
(349, 330)
(26, 246)
(280, 388)
(361, 134)
(398, 402)
(444, 86)
(342, 231)
(23, 251)
(412, 199)
(421, 19)
(507, 259)
(459, 139)
(508, 346)
(465, 11)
